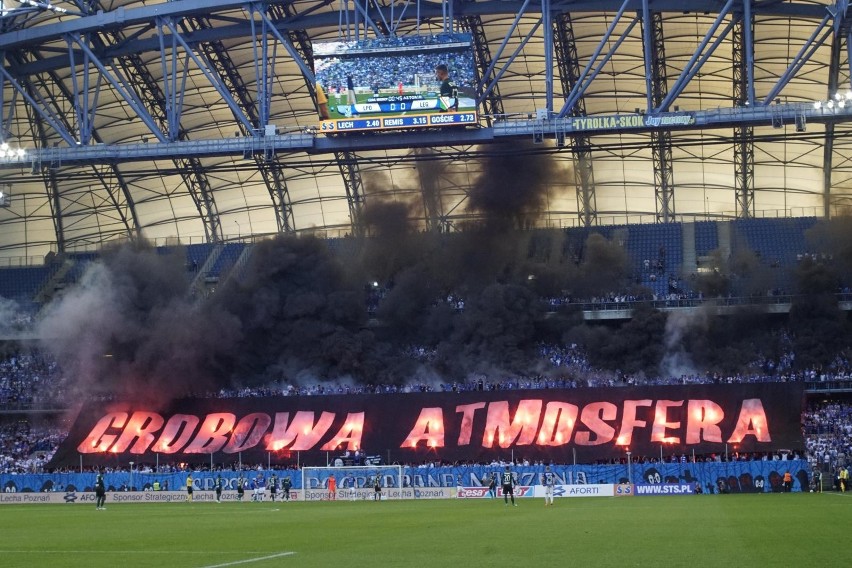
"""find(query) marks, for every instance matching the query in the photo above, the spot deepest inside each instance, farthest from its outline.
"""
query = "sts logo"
(624, 490)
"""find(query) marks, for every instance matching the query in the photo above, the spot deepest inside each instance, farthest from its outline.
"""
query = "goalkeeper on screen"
(449, 99)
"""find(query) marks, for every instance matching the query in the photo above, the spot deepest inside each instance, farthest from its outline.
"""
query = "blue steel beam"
(743, 134)
(580, 87)
(49, 175)
(805, 53)
(270, 167)
(547, 19)
(188, 167)
(581, 145)
(230, 28)
(661, 140)
(205, 69)
(131, 224)
(721, 118)
(492, 105)
(119, 83)
(50, 180)
(488, 72)
(40, 107)
(648, 55)
(698, 58)
(749, 46)
(511, 59)
(173, 99)
(124, 17)
(828, 145)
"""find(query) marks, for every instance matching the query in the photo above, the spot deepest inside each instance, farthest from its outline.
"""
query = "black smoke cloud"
(130, 327)
(511, 191)
(468, 302)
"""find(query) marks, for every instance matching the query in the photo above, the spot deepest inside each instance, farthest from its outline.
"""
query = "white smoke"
(676, 360)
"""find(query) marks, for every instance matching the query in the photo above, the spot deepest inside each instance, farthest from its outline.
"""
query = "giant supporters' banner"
(556, 425)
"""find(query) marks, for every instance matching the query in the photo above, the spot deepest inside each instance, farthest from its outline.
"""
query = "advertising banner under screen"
(550, 424)
(391, 83)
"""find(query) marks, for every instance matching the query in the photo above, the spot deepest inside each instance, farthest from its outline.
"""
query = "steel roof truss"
(85, 99)
(699, 57)
(204, 67)
(579, 88)
(119, 82)
(509, 33)
(41, 108)
(173, 94)
(288, 45)
(511, 59)
(805, 53)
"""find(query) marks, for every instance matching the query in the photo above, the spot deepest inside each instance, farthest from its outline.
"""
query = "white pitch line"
(279, 555)
(39, 551)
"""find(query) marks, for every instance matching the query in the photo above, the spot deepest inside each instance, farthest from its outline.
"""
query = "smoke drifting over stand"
(408, 304)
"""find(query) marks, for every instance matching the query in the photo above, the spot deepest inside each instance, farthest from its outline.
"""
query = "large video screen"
(397, 82)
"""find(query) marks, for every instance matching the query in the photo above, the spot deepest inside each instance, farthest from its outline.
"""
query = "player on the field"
(548, 479)
(241, 488)
(273, 486)
(189, 487)
(508, 481)
(332, 488)
(377, 488)
(492, 486)
(259, 485)
(100, 493)
(217, 485)
(286, 485)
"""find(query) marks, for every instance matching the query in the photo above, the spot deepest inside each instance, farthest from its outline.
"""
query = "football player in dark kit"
(492, 486)
(100, 492)
(448, 88)
(273, 486)
(377, 488)
(241, 488)
(218, 487)
(509, 486)
(286, 484)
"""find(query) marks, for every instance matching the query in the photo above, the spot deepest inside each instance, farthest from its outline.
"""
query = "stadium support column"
(270, 167)
(828, 146)
(743, 135)
(661, 140)
(348, 164)
(492, 105)
(569, 72)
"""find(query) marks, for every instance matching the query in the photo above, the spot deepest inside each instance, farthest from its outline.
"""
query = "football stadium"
(496, 282)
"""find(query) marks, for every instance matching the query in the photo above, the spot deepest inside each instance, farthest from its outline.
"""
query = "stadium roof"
(88, 74)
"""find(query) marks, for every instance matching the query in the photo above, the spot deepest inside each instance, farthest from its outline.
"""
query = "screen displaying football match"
(398, 82)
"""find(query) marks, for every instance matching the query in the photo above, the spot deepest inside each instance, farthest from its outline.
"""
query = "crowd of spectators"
(828, 433)
(29, 380)
(25, 447)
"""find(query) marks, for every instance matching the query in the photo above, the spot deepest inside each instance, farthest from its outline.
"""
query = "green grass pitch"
(695, 531)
